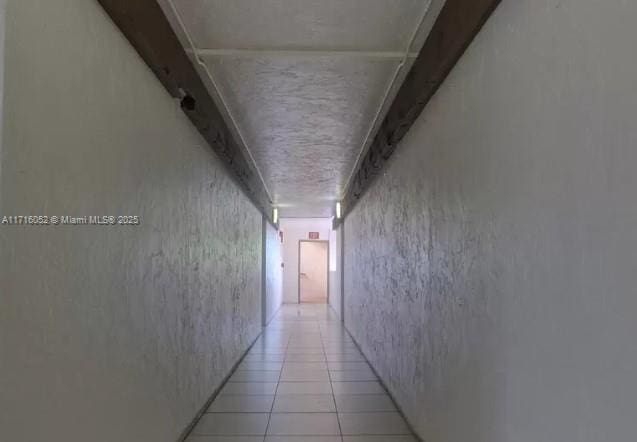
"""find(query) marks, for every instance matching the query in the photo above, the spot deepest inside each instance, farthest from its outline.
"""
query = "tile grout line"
(276, 390)
(295, 336)
(382, 384)
(185, 434)
(329, 376)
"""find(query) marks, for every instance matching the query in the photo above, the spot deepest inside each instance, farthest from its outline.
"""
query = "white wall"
(112, 333)
(335, 270)
(273, 271)
(491, 271)
(295, 229)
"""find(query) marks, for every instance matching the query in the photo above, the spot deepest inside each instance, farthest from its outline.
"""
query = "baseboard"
(186, 433)
(382, 383)
(273, 315)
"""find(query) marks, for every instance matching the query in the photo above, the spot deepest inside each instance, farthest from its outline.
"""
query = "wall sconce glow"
(338, 210)
(275, 215)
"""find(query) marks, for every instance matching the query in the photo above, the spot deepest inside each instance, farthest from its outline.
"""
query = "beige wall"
(112, 333)
(491, 270)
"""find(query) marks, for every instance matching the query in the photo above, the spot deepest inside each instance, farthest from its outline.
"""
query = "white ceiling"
(303, 82)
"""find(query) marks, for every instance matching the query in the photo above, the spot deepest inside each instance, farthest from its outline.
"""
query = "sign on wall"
(314, 235)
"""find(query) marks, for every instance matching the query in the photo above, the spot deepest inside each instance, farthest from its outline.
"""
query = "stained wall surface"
(115, 333)
(273, 272)
(490, 272)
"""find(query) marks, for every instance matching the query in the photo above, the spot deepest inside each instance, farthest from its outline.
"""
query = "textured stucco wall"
(112, 333)
(490, 273)
(273, 272)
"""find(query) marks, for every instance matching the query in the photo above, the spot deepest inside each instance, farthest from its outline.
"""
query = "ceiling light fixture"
(338, 210)
(275, 215)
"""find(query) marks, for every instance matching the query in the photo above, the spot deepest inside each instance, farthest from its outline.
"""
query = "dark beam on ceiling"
(457, 24)
(146, 27)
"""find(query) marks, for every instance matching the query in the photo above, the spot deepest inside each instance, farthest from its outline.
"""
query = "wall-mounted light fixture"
(275, 215)
(338, 210)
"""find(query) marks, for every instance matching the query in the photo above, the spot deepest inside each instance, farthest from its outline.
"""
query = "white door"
(313, 267)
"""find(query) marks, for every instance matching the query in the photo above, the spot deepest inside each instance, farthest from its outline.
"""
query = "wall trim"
(202, 411)
(382, 383)
(455, 28)
(149, 31)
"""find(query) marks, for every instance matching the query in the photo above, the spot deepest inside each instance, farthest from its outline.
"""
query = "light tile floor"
(304, 380)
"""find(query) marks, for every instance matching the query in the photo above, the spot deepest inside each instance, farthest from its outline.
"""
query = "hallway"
(303, 380)
(466, 168)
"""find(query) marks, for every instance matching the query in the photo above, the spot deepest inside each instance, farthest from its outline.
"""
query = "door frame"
(298, 271)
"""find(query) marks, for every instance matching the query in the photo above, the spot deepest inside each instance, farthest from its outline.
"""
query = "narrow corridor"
(303, 380)
(432, 203)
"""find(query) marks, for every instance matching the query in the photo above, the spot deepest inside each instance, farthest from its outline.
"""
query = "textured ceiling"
(303, 82)
(303, 120)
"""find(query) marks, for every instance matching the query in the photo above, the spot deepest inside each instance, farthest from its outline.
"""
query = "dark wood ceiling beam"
(146, 27)
(455, 28)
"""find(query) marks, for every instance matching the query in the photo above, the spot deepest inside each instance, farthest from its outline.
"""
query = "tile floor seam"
(383, 385)
(276, 390)
(307, 341)
(340, 428)
(190, 428)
